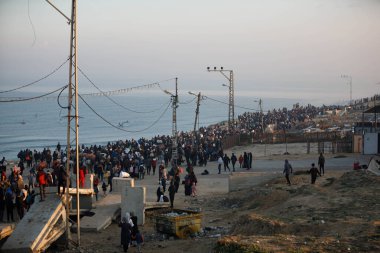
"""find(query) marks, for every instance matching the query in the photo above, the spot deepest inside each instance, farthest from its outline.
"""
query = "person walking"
(245, 161)
(241, 159)
(313, 173)
(62, 177)
(172, 192)
(288, 169)
(125, 233)
(9, 203)
(42, 181)
(164, 177)
(233, 161)
(321, 164)
(226, 161)
(220, 162)
(250, 158)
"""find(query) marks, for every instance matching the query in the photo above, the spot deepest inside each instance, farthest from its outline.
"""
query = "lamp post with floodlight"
(230, 78)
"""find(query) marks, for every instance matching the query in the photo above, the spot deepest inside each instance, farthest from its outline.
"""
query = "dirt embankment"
(340, 213)
(337, 214)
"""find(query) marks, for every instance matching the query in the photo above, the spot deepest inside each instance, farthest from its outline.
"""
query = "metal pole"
(69, 107)
(231, 104)
(174, 128)
(196, 118)
(76, 115)
(350, 90)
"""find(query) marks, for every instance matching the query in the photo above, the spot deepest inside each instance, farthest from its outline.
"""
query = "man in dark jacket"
(233, 161)
(172, 192)
(321, 163)
(314, 172)
(226, 161)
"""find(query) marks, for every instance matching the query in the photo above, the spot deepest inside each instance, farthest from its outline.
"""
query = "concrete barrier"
(41, 226)
(133, 200)
(119, 182)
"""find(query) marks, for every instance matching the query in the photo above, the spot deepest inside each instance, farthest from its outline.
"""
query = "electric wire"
(42, 78)
(222, 102)
(113, 101)
(31, 23)
(119, 128)
(188, 102)
(31, 98)
(59, 103)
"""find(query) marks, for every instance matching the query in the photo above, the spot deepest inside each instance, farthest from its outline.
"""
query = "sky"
(276, 48)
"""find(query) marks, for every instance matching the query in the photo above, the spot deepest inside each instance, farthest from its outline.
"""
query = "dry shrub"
(252, 224)
(232, 244)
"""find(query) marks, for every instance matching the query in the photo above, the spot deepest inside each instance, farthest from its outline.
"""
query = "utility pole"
(174, 98)
(261, 114)
(196, 116)
(231, 104)
(72, 88)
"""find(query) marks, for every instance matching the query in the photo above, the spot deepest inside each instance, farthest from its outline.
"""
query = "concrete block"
(118, 182)
(89, 181)
(133, 200)
(42, 225)
(101, 219)
(85, 201)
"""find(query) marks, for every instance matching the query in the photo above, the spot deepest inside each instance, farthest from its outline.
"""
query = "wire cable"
(188, 102)
(110, 92)
(119, 128)
(59, 95)
(31, 98)
(42, 78)
(31, 23)
(242, 107)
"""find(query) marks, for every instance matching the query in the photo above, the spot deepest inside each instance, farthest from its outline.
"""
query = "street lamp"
(230, 78)
(350, 83)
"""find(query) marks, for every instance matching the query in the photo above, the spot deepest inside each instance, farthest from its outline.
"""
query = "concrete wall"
(119, 182)
(371, 143)
(133, 200)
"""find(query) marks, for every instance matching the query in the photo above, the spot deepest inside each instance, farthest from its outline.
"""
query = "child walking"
(104, 188)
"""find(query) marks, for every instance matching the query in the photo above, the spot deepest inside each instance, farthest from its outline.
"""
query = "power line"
(119, 128)
(31, 98)
(42, 78)
(242, 107)
(119, 91)
(31, 23)
(188, 102)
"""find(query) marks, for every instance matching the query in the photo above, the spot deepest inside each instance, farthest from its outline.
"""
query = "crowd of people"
(281, 118)
(137, 159)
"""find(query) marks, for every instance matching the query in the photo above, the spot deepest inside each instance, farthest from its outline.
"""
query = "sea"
(42, 123)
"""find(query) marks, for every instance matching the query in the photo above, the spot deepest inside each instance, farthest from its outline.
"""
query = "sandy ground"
(340, 213)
